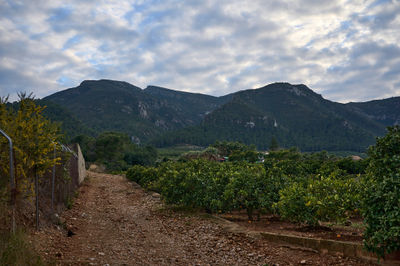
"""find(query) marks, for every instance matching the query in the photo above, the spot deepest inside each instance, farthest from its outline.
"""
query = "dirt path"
(115, 222)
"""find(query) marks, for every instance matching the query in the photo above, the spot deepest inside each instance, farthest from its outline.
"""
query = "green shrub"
(381, 203)
(293, 205)
(145, 176)
(216, 187)
(305, 189)
(247, 189)
(135, 173)
(214, 177)
(331, 198)
(178, 184)
(353, 166)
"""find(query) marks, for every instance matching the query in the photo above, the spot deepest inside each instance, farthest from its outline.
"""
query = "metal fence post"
(37, 197)
(12, 180)
(53, 179)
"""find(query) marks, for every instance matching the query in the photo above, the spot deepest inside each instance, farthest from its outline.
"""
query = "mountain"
(189, 107)
(69, 123)
(294, 114)
(386, 111)
(107, 105)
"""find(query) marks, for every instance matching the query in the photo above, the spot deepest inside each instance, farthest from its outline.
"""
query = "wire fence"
(12, 179)
(54, 191)
(59, 184)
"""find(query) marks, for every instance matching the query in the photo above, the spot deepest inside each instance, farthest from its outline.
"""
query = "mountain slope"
(294, 114)
(69, 123)
(191, 107)
(386, 111)
(106, 105)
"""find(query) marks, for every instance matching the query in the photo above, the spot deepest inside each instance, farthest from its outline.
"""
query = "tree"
(381, 203)
(116, 151)
(141, 155)
(110, 148)
(247, 188)
(227, 148)
(33, 138)
(273, 146)
(87, 145)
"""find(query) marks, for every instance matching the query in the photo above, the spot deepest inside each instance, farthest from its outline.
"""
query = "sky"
(346, 50)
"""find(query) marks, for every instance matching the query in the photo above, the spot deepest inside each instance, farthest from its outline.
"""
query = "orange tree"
(381, 202)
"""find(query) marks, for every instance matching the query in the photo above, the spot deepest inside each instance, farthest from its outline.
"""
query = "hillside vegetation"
(107, 105)
(293, 114)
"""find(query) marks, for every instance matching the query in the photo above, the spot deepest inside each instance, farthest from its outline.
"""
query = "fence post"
(37, 197)
(53, 179)
(12, 181)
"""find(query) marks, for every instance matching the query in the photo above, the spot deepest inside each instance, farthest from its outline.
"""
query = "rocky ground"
(115, 222)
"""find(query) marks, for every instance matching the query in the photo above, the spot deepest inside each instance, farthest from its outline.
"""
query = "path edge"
(323, 246)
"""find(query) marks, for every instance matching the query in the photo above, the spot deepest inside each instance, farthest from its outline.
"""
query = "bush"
(381, 204)
(331, 198)
(178, 184)
(293, 206)
(216, 187)
(352, 166)
(146, 155)
(288, 182)
(115, 151)
(247, 189)
(213, 177)
(144, 176)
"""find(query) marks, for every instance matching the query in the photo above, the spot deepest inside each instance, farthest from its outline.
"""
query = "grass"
(15, 250)
(71, 199)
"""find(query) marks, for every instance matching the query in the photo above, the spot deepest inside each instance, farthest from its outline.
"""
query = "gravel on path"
(115, 222)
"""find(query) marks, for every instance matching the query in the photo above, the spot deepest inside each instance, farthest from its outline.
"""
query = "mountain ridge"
(294, 114)
(166, 117)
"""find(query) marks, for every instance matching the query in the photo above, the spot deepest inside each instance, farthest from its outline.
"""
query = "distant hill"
(107, 105)
(386, 111)
(69, 123)
(188, 107)
(293, 114)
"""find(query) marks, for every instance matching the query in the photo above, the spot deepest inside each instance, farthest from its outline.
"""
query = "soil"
(352, 232)
(115, 222)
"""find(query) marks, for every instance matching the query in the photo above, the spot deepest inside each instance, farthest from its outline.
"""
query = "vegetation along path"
(115, 222)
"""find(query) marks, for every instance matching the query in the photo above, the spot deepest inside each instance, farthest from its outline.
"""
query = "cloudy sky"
(346, 50)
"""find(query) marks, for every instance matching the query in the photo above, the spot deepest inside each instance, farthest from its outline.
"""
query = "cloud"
(346, 50)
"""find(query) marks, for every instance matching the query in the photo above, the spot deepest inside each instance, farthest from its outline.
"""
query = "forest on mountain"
(294, 115)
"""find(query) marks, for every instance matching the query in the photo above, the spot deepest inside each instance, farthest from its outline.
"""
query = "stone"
(156, 195)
